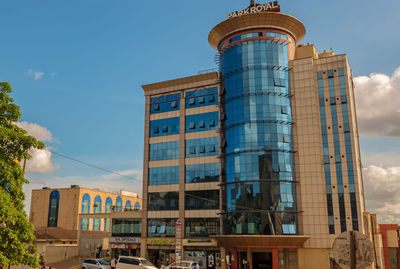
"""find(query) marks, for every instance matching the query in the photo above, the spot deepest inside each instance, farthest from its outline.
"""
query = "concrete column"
(249, 258)
(275, 258)
(224, 265)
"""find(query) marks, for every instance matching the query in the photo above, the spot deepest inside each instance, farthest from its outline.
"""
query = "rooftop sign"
(257, 8)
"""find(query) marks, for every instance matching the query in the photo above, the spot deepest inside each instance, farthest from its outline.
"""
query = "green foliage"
(16, 233)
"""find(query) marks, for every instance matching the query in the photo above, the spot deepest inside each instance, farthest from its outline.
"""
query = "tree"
(16, 232)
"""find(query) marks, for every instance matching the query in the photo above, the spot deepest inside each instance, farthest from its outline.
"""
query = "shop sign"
(255, 9)
(178, 241)
(161, 241)
(200, 242)
(125, 240)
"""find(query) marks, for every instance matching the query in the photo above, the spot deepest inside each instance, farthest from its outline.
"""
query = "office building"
(260, 161)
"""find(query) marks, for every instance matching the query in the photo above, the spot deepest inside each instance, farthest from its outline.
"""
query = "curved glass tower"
(257, 155)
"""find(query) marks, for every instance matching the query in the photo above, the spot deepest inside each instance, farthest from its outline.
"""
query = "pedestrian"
(97, 253)
(194, 265)
(113, 263)
(197, 266)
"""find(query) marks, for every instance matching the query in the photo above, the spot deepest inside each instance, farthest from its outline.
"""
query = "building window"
(97, 210)
(128, 206)
(164, 201)
(54, 202)
(169, 126)
(202, 124)
(202, 97)
(127, 227)
(164, 151)
(118, 204)
(85, 210)
(165, 103)
(164, 175)
(199, 173)
(202, 200)
(201, 227)
(161, 227)
(197, 122)
(107, 209)
(137, 206)
(202, 147)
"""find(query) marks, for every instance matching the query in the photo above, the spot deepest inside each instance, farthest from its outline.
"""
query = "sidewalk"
(74, 262)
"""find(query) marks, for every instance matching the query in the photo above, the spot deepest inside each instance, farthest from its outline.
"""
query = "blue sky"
(77, 67)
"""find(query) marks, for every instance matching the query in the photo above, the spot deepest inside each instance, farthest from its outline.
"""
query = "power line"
(92, 165)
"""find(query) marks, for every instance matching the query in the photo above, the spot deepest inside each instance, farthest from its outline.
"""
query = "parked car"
(181, 265)
(126, 262)
(95, 264)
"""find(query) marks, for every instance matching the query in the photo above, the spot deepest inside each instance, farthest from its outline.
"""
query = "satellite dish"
(353, 250)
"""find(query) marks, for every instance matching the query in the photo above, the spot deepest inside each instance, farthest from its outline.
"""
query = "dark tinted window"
(128, 261)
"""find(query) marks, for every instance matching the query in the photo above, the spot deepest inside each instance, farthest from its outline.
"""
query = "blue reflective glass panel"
(169, 126)
(164, 151)
(164, 175)
(202, 122)
(198, 173)
(202, 147)
(165, 103)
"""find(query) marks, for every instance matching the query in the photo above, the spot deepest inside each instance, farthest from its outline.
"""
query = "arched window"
(97, 210)
(128, 205)
(137, 206)
(54, 201)
(85, 210)
(118, 207)
(107, 209)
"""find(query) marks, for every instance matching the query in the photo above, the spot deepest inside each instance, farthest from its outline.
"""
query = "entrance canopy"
(266, 241)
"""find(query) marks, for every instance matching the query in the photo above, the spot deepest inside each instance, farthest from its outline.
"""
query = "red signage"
(178, 241)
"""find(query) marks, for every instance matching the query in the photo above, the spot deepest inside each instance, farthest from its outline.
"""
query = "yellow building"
(55, 215)
(59, 208)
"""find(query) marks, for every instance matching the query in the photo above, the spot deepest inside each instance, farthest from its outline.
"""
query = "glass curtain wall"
(258, 152)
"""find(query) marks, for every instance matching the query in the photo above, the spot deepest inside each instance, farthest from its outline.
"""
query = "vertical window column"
(349, 152)
(331, 221)
(335, 129)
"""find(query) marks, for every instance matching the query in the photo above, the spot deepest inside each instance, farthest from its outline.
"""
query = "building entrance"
(262, 260)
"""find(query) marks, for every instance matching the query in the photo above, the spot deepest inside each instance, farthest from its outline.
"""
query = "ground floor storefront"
(240, 252)
(125, 246)
(261, 252)
(205, 252)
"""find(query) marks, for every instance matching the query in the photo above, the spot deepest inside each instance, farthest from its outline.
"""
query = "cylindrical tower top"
(272, 20)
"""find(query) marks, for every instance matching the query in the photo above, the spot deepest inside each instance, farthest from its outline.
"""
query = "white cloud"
(40, 162)
(36, 75)
(35, 130)
(378, 104)
(41, 159)
(382, 192)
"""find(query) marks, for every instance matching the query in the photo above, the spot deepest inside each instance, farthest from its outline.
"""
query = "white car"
(95, 264)
(126, 262)
(181, 265)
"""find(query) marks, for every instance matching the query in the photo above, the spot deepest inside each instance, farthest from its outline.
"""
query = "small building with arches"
(55, 213)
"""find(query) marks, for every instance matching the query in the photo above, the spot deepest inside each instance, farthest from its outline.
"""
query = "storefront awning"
(266, 241)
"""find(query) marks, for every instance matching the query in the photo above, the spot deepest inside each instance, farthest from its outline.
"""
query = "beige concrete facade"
(181, 86)
(311, 167)
(70, 206)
